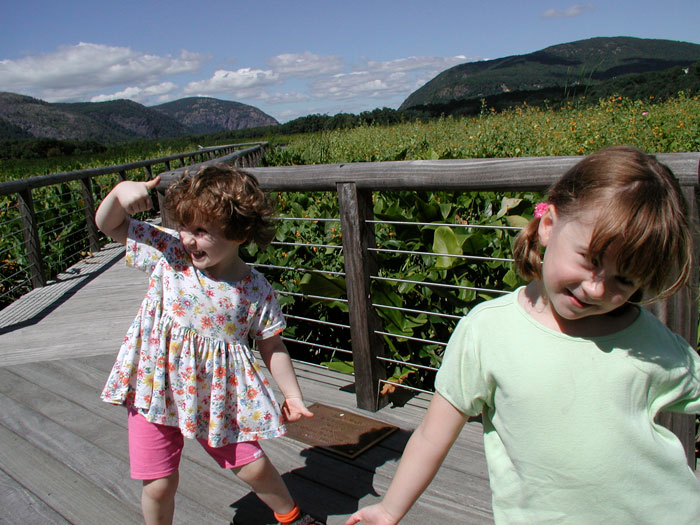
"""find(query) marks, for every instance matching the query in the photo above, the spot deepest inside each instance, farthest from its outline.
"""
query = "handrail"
(497, 174)
(38, 181)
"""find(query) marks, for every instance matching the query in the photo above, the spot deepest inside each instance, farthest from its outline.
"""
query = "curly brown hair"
(638, 202)
(227, 195)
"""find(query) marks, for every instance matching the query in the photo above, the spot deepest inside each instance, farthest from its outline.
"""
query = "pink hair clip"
(540, 209)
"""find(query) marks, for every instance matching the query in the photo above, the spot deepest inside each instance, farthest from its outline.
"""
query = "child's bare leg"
(158, 499)
(267, 483)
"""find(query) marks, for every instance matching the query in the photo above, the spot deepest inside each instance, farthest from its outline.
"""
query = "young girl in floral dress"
(185, 368)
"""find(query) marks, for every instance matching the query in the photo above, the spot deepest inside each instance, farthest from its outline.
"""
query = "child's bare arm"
(422, 457)
(125, 199)
(274, 354)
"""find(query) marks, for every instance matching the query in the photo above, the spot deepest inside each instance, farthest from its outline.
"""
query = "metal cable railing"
(305, 239)
(54, 213)
(418, 337)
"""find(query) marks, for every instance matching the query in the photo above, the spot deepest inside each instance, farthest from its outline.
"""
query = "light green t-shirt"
(569, 430)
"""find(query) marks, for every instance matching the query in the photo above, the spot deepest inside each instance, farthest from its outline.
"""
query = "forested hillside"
(582, 63)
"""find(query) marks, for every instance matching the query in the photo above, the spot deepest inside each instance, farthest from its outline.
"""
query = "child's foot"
(304, 519)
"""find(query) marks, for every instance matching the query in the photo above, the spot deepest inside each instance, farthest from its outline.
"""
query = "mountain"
(128, 118)
(584, 62)
(206, 115)
(122, 120)
(26, 117)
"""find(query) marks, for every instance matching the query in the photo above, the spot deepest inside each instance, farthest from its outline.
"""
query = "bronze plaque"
(339, 431)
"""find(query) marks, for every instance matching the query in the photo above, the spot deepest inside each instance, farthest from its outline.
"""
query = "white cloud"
(380, 79)
(240, 83)
(137, 94)
(78, 70)
(282, 98)
(414, 63)
(360, 84)
(306, 65)
(572, 11)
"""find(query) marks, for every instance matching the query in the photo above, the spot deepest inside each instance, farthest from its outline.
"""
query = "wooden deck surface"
(63, 452)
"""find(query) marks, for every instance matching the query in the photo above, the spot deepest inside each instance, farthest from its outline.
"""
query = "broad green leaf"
(511, 278)
(445, 209)
(508, 203)
(321, 285)
(516, 220)
(445, 241)
(344, 367)
(325, 286)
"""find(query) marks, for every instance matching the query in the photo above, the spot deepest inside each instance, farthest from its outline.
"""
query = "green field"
(669, 126)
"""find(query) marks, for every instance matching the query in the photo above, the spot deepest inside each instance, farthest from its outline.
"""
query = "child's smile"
(574, 286)
(210, 250)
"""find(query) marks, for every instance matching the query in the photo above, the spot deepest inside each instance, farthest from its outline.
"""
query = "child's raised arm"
(276, 357)
(422, 457)
(125, 199)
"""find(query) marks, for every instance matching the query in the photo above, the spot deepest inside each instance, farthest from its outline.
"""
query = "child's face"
(208, 247)
(576, 286)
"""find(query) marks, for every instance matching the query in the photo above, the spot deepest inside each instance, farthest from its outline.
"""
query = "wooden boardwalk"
(63, 452)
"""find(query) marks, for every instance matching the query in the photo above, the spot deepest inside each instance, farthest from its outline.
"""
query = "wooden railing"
(354, 185)
(246, 154)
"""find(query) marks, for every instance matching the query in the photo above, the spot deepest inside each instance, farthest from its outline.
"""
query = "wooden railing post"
(89, 209)
(355, 209)
(680, 314)
(32, 245)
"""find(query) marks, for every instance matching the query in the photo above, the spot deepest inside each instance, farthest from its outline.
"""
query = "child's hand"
(125, 199)
(134, 196)
(372, 515)
(294, 408)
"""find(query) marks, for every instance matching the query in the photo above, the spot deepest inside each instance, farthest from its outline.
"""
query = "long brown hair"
(639, 204)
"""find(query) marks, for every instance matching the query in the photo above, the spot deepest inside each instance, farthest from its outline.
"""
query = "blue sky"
(292, 58)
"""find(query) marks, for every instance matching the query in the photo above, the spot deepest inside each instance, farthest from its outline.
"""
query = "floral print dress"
(186, 360)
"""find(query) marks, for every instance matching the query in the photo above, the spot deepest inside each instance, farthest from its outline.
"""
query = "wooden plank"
(497, 174)
(201, 479)
(61, 429)
(22, 506)
(50, 375)
(331, 486)
(70, 311)
(66, 392)
(61, 488)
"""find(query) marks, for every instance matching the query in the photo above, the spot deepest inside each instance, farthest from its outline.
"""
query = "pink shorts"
(155, 450)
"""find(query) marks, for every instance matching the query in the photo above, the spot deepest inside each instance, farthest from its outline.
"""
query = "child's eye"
(591, 262)
(625, 281)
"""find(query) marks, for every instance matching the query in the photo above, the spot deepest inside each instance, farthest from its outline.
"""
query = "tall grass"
(665, 127)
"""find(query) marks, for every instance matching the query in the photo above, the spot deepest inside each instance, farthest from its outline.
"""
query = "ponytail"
(527, 251)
